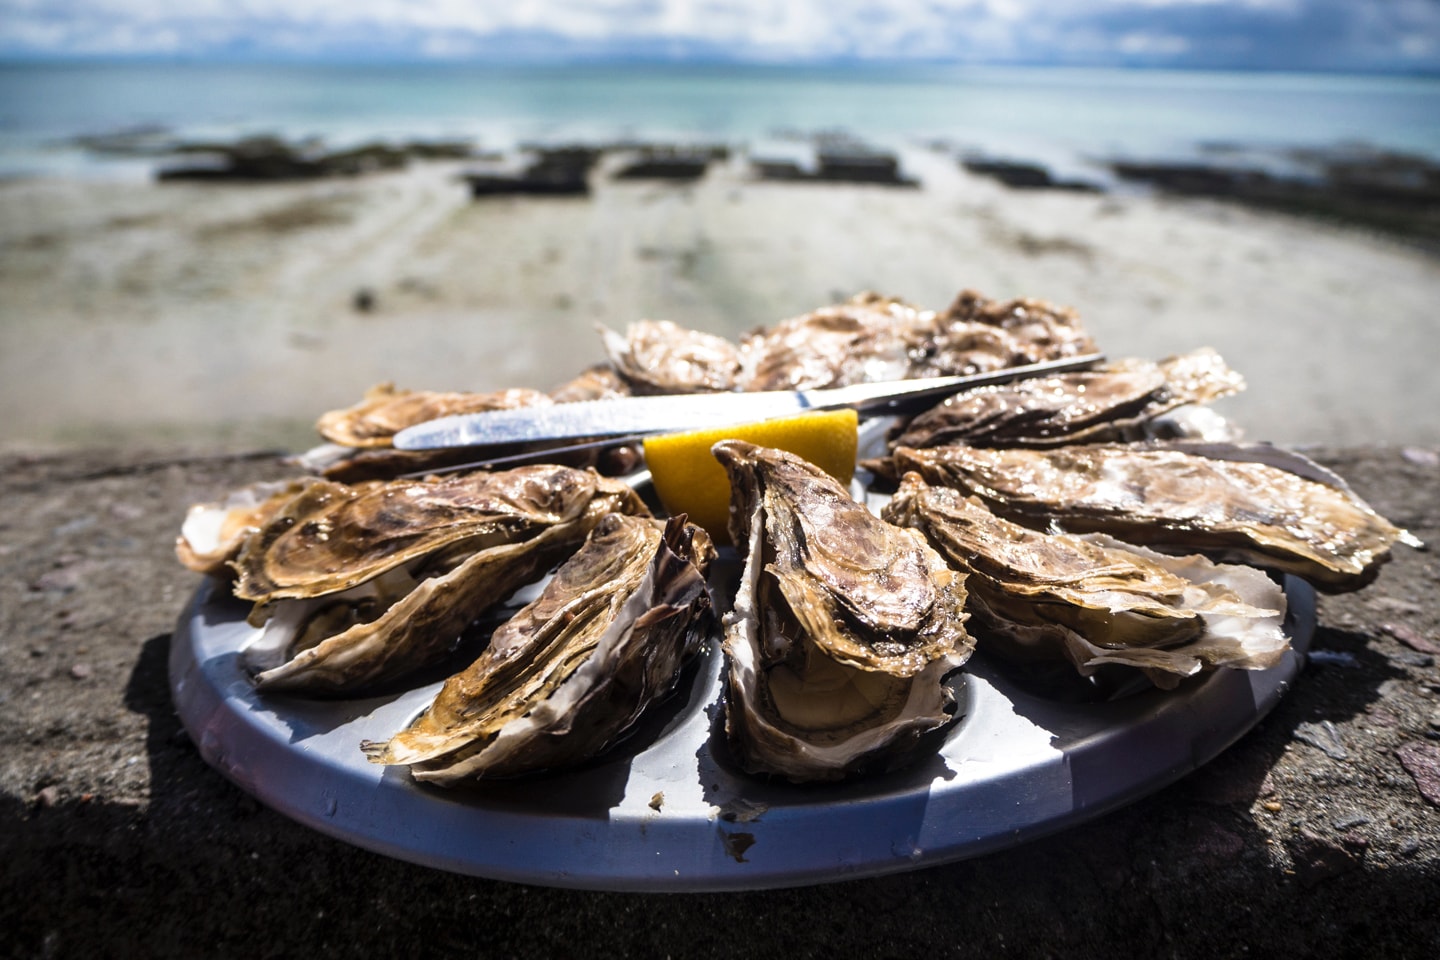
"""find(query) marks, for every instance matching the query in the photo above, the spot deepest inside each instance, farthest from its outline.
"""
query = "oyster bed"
(669, 809)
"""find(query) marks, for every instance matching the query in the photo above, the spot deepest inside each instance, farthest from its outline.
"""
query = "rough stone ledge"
(1318, 834)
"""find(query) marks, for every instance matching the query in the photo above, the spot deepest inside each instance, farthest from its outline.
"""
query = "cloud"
(1309, 34)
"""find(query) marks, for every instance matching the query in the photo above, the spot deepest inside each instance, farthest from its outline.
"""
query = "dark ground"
(1318, 834)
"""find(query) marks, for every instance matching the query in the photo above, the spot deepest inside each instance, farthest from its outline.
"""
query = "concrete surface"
(1318, 834)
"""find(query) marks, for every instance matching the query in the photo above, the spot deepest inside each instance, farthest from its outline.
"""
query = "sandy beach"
(151, 314)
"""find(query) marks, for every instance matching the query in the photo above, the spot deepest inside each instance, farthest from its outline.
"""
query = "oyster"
(385, 411)
(843, 626)
(374, 424)
(213, 534)
(1114, 401)
(1037, 329)
(355, 586)
(573, 670)
(1251, 504)
(867, 338)
(1094, 599)
(657, 356)
(599, 382)
(360, 438)
(871, 338)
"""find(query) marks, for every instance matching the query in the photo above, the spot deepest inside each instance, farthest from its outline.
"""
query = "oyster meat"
(355, 586)
(1114, 401)
(571, 672)
(843, 626)
(1250, 504)
(1093, 599)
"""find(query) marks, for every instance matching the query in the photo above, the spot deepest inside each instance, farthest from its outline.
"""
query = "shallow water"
(1060, 115)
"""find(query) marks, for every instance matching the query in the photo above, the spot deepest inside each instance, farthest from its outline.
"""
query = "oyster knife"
(625, 416)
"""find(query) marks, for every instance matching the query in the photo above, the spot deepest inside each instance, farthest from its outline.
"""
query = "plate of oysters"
(1033, 603)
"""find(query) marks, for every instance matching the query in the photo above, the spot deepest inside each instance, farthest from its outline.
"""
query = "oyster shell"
(843, 626)
(867, 338)
(1093, 599)
(1111, 402)
(360, 438)
(1037, 329)
(599, 382)
(333, 536)
(573, 670)
(871, 337)
(213, 534)
(375, 423)
(1286, 514)
(358, 586)
(385, 411)
(657, 356)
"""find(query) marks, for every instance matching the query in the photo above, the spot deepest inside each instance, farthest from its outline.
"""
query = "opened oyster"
(360, 438)
(870, 337)
(842, 630)
(359, 585)
(1251, 504)
(1036, 331)
(1094, 599)
(1114, 401)
(657, 356)
(598, 382)
(867, 338)
(213, 534)
(574, 670)
(385, 411)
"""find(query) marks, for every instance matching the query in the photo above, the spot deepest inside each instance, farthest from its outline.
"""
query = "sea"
(1068, 118)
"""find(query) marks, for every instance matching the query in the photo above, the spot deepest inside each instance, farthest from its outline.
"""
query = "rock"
(1024, 176)
(1421, 456)
(1422, 762)
(1410, 637)
(1322, 736)
(1333, 658)
(60, 580)
(1318, 859)
(1396, 605)
(81, 671)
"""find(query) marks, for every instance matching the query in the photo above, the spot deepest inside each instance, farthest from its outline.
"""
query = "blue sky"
(1366, 35)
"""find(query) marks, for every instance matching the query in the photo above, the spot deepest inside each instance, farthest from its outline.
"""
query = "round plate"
(667, 811)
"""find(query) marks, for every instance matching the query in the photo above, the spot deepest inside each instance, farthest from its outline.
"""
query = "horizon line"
(275, 58)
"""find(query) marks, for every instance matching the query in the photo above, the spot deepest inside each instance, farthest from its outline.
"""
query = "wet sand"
(225, 315)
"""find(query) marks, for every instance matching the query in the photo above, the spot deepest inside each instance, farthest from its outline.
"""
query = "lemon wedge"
(689, 480)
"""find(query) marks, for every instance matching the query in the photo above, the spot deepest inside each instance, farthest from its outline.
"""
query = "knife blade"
(625, 416)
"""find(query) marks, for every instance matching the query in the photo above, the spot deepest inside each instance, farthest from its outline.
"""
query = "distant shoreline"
(1392, 192)
(1051, 113)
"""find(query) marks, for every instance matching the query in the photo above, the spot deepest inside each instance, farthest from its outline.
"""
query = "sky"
(1351, 35)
